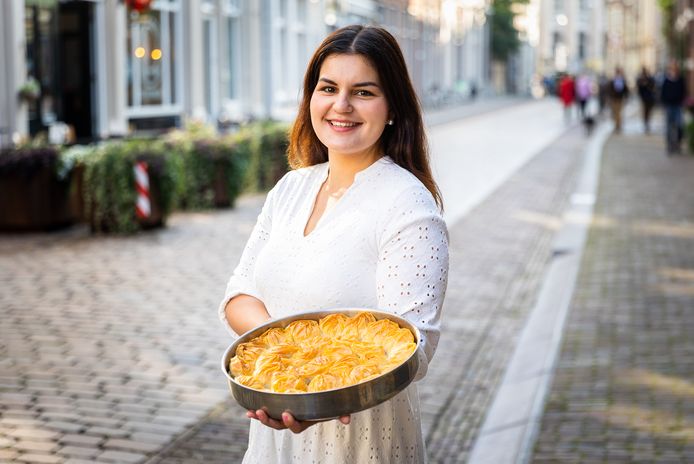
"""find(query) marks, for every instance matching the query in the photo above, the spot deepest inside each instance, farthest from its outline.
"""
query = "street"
(110, 346)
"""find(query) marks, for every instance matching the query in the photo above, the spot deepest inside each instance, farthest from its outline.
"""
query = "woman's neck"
(343, 168)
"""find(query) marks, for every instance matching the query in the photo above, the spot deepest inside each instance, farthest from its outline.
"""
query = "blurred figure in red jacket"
(567, 94)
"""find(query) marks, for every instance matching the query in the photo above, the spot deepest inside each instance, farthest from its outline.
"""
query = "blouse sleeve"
(412, 270)
(242, 280)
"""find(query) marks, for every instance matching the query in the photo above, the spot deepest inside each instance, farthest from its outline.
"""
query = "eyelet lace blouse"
(384, 245)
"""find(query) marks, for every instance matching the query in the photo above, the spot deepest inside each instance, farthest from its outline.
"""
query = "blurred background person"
(584, 90)
(567, 95)
(672, 95)
(617, 94)
(603, 84)
(645, 85)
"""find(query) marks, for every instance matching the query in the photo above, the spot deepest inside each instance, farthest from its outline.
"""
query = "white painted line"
(509, 430)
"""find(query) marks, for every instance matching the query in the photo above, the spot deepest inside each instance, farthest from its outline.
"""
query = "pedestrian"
(645, 84)
(672, 95)
(617, 94)
(584, 90)
(567, 95)
(603, 85)
(357, 223)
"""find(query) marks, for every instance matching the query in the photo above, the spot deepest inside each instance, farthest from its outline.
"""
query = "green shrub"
(690, 136)
(267, 163)
(208, 169)
(109, 186)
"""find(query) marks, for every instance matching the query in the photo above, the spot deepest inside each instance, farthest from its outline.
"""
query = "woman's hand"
(288, 421)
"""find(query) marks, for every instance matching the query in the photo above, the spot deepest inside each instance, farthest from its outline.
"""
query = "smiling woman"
(357, 224)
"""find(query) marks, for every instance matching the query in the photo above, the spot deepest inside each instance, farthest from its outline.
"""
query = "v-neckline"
(312, 205)
(320, 180)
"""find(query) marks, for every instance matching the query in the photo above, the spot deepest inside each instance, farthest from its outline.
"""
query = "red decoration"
(139, 5)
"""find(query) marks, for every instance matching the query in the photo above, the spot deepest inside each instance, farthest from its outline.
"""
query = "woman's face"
(348, 108)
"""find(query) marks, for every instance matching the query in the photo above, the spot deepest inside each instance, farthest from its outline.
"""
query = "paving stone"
(38, 446)
(107, 432)
(7, 455)
(72, 451)
(39, 459)
(131, 445)
(121, 457)
(34, 434)
(81, 440)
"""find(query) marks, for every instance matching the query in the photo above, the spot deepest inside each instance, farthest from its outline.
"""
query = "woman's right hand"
(288, 421)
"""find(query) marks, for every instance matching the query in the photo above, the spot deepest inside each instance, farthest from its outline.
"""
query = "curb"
(509, 430)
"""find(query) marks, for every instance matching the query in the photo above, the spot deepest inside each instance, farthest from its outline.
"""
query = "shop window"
(152, 58)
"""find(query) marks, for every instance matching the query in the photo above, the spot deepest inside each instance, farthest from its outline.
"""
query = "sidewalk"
(623, 389)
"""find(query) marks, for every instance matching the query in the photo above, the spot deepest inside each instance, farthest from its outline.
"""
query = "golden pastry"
(333, 352)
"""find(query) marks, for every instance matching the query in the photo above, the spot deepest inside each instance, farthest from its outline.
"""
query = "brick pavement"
(110, 345)
(624, 386)
(498, 254)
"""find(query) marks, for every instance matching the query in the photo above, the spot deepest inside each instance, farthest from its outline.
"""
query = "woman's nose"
(342, 104)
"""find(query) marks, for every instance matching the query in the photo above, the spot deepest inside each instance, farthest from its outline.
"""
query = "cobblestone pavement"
(109, 347)
(624, 386)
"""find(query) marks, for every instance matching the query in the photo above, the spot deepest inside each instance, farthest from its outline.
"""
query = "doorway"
(76, 83)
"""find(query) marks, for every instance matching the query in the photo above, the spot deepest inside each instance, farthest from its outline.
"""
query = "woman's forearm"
(244, 312)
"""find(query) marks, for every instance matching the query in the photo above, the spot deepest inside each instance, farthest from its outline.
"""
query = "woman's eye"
(327, 89)
(363, 93)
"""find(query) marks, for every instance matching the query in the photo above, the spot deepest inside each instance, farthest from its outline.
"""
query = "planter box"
(38, 202)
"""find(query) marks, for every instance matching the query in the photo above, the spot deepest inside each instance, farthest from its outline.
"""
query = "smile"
(343, 123)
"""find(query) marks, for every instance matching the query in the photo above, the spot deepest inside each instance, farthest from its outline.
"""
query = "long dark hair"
(405, 141)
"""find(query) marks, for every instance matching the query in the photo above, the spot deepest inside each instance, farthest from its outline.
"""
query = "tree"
(504, 36)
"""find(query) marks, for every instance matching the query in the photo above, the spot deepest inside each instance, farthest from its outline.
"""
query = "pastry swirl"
(310, 356)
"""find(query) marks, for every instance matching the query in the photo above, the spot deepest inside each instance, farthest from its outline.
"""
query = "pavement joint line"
(518, 394)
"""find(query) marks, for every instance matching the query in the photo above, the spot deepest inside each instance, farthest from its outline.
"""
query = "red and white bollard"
(143, 207)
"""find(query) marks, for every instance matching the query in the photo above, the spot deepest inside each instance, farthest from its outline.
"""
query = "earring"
(390, 122)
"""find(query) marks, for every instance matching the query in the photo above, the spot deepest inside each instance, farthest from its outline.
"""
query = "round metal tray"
(325, 404)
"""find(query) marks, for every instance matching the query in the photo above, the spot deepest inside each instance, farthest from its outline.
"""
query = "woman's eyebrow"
(358, 84)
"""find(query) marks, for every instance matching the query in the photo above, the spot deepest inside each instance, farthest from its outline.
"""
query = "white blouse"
(384, 245)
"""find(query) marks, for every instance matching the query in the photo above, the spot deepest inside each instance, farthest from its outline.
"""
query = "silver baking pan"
(325, 404)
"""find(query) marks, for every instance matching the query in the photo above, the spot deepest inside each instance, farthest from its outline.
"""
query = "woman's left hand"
(288, 421)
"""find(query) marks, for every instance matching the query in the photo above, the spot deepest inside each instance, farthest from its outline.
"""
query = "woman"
(356, 224)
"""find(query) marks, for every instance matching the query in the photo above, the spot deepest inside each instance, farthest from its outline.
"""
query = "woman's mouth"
(343, 125)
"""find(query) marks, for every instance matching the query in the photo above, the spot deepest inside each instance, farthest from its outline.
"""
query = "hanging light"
(139, 5)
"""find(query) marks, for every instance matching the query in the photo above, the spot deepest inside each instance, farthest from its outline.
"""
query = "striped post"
(143, 208)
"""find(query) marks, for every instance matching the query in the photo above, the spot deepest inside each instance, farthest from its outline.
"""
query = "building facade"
(572, 36)
(108, 70)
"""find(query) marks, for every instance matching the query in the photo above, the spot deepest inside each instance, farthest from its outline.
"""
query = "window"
(582, 42)
(231, 72)
(152, 62)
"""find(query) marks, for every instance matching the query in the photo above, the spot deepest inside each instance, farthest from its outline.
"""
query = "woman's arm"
(245, 312)
(412, 269)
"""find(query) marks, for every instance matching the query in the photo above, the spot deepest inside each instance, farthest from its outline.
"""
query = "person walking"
(617, 94)
(603, 85)
(356, 224)
(645, 85)
(567, 95)
(584, 90)
(673, 92)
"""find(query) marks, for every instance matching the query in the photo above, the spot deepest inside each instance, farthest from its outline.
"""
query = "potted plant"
(34, 190)
(30, 90)
(110, 193)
